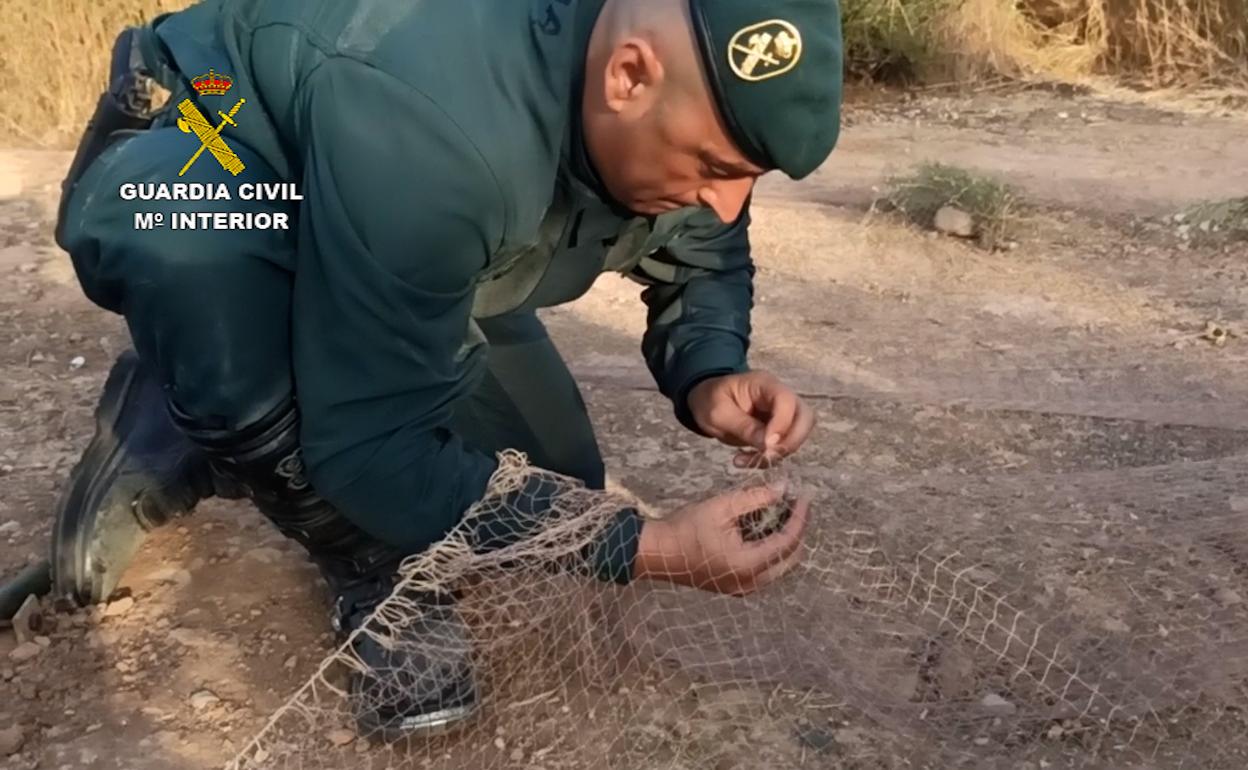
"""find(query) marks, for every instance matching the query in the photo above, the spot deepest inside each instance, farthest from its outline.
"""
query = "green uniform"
(446, 197)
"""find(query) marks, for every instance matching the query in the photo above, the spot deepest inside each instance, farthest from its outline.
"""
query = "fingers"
(785, 406)
(751, 458)
(779, 569)
(789, 538)
(799, 430)
(735, 504)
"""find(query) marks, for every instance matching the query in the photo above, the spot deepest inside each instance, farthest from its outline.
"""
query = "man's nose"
(727, 197)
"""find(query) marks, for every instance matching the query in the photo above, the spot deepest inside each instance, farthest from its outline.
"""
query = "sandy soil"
(1076, 354)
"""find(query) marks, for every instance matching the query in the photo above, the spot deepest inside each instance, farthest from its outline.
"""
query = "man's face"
(661, 149)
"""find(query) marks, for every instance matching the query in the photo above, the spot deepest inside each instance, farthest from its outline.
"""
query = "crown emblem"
(212, 84)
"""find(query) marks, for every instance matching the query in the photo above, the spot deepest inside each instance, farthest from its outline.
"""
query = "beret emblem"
(765, 50)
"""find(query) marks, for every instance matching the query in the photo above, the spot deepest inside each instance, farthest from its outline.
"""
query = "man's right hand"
(701, 545)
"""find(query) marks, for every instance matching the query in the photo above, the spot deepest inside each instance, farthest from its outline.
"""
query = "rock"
(202, 699)
(27, 620)
(340, 737)
(819, 739)
(172, 575)
(1228, 597)
(263, 555)
(1115, 625)
(25, 651)
(11, 740)
(119, 607)
(954, 221)
(996, 704)
(77, 362)
(43, 641)
(10, 528)
(500, 744)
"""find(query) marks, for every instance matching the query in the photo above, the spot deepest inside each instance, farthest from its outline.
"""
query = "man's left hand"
(754, 410)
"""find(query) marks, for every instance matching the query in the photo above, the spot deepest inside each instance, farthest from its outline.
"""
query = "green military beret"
(776, 71)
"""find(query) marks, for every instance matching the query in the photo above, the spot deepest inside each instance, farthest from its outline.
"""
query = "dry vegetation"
(54, 60)
(992, 206)
(53, 52)
(1155, 42)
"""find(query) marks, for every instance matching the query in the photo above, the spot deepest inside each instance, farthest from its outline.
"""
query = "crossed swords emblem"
(193, 121)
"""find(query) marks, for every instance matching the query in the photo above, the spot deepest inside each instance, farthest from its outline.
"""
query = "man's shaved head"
(663, 24)
(651, 126)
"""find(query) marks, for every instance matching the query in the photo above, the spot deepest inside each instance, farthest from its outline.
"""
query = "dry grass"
(1215, 221)
(1157, 42)
(53, 53)
(930, 187)
(54, 60)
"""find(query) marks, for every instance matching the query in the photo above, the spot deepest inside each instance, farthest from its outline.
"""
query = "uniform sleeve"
(400, 213)
(700, 290)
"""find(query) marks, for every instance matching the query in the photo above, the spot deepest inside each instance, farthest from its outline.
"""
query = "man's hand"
(702, 546)
(753, 410)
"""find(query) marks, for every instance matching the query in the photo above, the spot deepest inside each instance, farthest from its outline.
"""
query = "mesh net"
(1092, 619)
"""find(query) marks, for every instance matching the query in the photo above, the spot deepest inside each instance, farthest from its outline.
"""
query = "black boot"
(420, 678)
(137, 473)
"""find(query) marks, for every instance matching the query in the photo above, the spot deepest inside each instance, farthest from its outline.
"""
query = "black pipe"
(35, 579)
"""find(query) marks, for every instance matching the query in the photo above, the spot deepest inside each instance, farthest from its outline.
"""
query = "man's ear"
(633, 76)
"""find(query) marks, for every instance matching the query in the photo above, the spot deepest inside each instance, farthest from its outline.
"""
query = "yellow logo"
(765, 50)
(193, 120)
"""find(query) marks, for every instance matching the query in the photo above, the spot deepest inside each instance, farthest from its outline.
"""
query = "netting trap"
(1091, 620)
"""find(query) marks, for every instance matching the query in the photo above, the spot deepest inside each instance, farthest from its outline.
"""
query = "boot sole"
(78, 573)
(424, 725)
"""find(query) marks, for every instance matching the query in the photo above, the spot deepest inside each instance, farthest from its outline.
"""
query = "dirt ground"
(1073, 361)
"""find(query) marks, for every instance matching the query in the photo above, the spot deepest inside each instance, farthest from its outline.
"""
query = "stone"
(996, 704)
(1228, 597)
(25, 651)
(340, 737)
(172, 576)
(202, 699)
(12, 738)
(954, 221)
(119, 607)
(27, 620)
(1115, 625)
(10, 528)
(263, 555)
